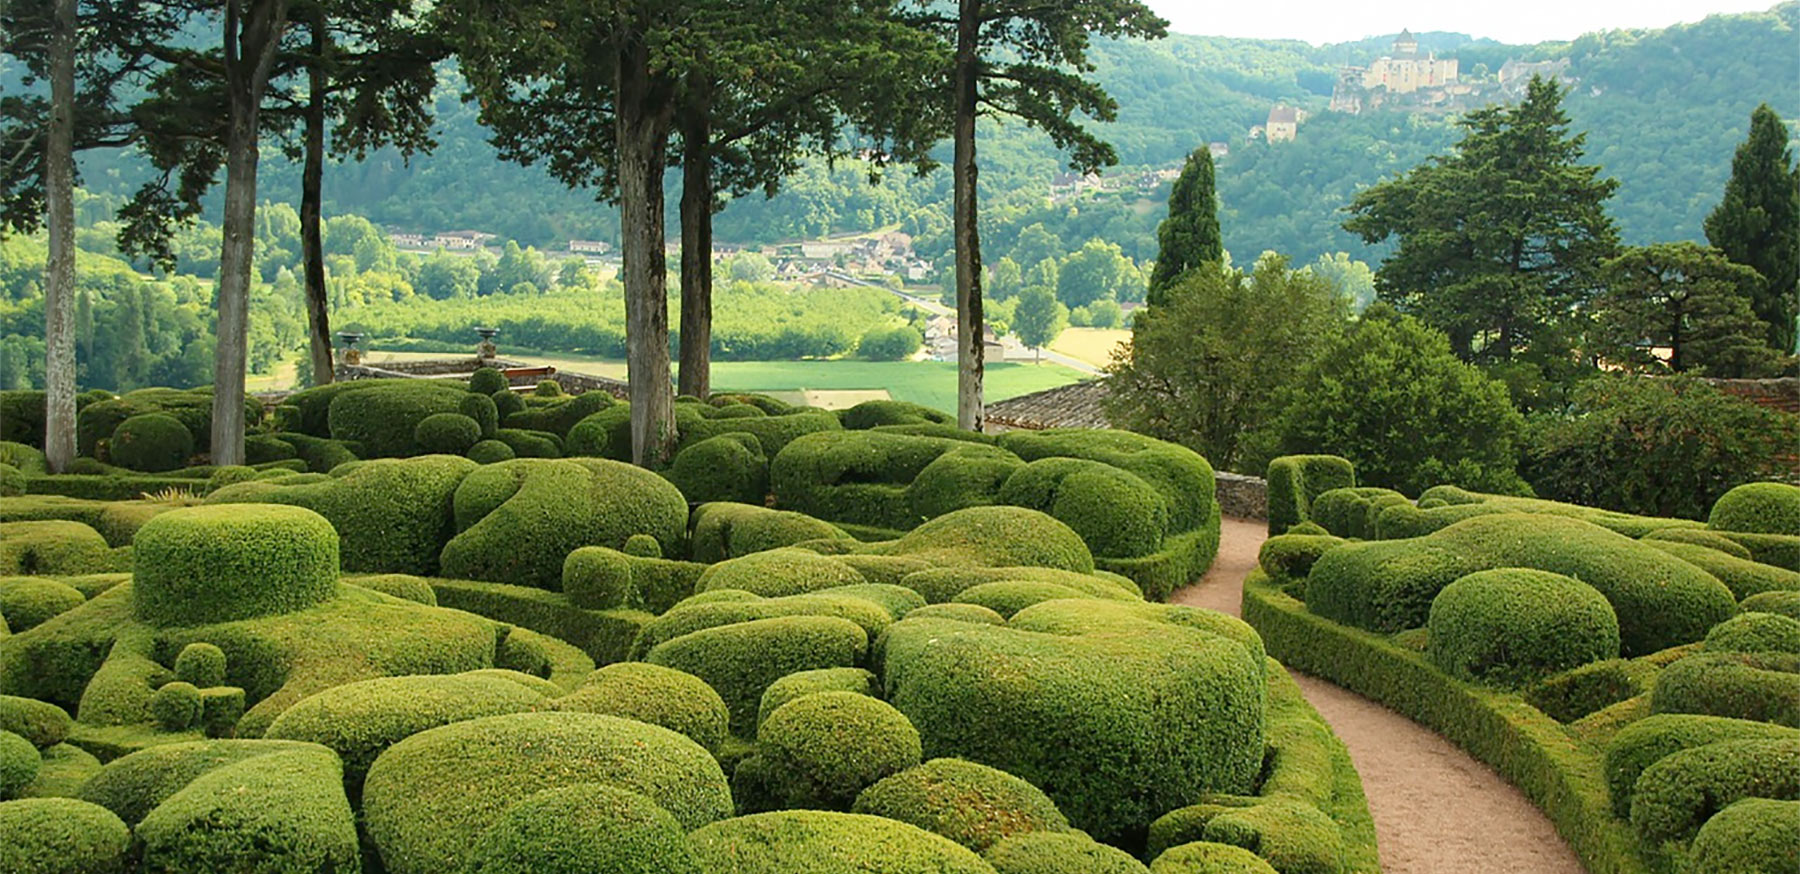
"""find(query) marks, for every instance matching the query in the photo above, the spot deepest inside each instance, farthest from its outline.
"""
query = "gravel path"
(1436, 809)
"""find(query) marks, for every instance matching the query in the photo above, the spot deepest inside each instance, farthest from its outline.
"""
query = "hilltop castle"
(1404, 75)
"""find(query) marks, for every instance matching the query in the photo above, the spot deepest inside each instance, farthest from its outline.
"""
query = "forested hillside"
(1663, 109)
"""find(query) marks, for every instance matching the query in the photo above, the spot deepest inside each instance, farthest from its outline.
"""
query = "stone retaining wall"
(1242, 497)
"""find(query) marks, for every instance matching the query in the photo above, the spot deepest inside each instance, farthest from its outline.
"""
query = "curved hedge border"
(1531, 750)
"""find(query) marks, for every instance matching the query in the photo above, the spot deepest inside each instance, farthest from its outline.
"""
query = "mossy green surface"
(1758, 508)
(802, 683)
(201, 565)
(824, 842)
(740, 660)
(283, 812)
(61, 836)
(1040, 852)
(1751, 836)
(1681, 791)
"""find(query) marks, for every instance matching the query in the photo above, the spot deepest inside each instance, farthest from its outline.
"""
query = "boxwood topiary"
(61, 836)
(134, 784)
(1041, 852)
(960, 613)
(971, 804)
(584, 828)
(490, 452)
(19, 763)
(1512, 626)
(1649, 740)
(994, 537)
(1351, 512)
(1760, 686)
(200, 565)
(729, 467)
(176, 706)
(280, 812)
(1758, 508)
(802, 683)
(870, 414)
(415, 589)
(779, 572)
(487, 380)
(1295, 480)
(27, 602)
(820, 751)
(481, 408)
(1699, 537)
(383, 418)
(675, 700)
(1750, 836)
(691, 616)
(1784, 603)
(1682, 790)
(742, 659)
(42, 723)
(724, 530)
(530, 444)
(1755, 632)
(1208, 857)
(446, 433)
(1742, 576)
(429, 797)
(1117, 513)
(12, 482)
(824, 842)
(1288, 558)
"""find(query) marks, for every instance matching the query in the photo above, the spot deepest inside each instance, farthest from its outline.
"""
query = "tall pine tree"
(1758, 223)
(1190, 236)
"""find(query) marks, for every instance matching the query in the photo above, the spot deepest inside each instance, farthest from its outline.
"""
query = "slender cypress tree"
(1190, 236)
(1758, 223)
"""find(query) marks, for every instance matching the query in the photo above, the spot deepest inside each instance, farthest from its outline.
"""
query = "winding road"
(1436, 809)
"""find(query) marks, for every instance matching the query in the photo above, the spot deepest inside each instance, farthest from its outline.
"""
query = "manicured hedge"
(1207, 857)
(1784, 603)
(603, 635)
(1759, 686)
(872, 414)
(1440, 500)
(959, 613)
(697, 614)
(1752, 835)
(824, 842)
(61, 836)
(446, 434)
(993, 537)
(200, 565)
(675, 700)
(428, 799)
(28, 602)
(55, 547)
(742, 659)
(1058, 853)
(779, 572)
(820, 751)
(383, 418)
(40, 722)
(1699, 537)
(584, 828)
(133, 785)
(802, 683)
(280, 812)
(729, 467)
(151, 442)
(1649, 740)
(1351, 512)
(1295, 480)
(1511, 626)
(869, 477)
(1117, 513)
(1758, 508)
(971, 804)
(19, 764)
(1780, 550)
(725, 530)
(1682, 790)
(1289, 558)
(1755, 632)
(1743, 577)
(599, 578)
(487, 380)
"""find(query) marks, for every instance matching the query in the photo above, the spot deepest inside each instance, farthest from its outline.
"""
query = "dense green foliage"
(1757, 224)
(1511, 626)
(279, 560)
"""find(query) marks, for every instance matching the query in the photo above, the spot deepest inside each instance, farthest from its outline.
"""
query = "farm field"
(1092, 345)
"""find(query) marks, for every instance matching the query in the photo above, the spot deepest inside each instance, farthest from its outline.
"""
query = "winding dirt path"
(1436, 809)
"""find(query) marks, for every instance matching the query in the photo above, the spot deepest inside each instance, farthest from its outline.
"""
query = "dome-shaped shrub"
(201, 664)
(490, 452)
(675, 700)
(741, 660)
(802, 683)
(446, 433)
(1675, 796)
(1650, 740)
(217, 563)
(506, 402)
(819, 751)
(61, 836)
(823, 842)
(481, 408)
(487, 380)
(27, 602)
(19, 763)
(42, 723)
(1117, 513)
(12, 481)
(1758, 686)
(152, 442)
(973, 805)
(779, 572)
(280, 812)
(1206, 857)
(1784, 603)
(1758, 508)
(1748, 836)
(548, 388)
(582, 829)
(1511, 625)
(1058, 853)
(1755, 632)
(729, 467)
(960, 612)
(176, 706)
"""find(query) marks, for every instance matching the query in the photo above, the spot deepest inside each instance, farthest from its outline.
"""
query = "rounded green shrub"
(1118, 514)
(1742, 576)
(446, 434)
(97, 421)
(1649, 740)
(176, 706)
(675, 700)
(1010, 596)
(1295, 480)
(152, 443)
(490, 452)
(1700, 537)
(871, 414)
(995, 537)
(280, 812)
(725, 530)
(971, 804)
(1759, 686)
(42, 723)
(201, 664)
(741, 660)
(229, 475)
(824, 842)
(1755, 632)
(487, 380)
(820, 751)
(1758, 508)
(779, 572)
(1752, 836)
(12, 481)
(548, 388)
(134, 784)
(359, 721)
(1512, 626)
(729, 467)
(693, 615)
(407, 586)
(27, 602)
(19, 763)
(54, 546)
(61, 836)
(507, 402)
(1351, 512)
(642, 546)
(1040, 852)
(959, 612)
(1682, 790)
(1784, 603)
(383, 418)
(200, 565)
(482, 409)
(584, 828)
(1208, 857)
(429, 797)
(802, 683)
(1290, 557)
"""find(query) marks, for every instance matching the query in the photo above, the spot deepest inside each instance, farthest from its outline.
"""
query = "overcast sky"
(1509, 21)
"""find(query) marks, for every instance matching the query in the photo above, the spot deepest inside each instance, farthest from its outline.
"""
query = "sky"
(1511, 21)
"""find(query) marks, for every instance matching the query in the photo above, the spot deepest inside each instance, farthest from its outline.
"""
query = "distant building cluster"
(1408, 80)
(1069, 186)
(441, 240)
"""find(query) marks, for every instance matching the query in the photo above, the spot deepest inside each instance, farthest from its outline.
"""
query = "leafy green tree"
(1351, 278)
(1035, 243)
(1045, 273)
(1758, 223)
(1095, 272)
(1007, 279)
(1106, 314)
(1039, 318)
(1667, 446)
(574, 273)
(1391, 396)
(1499, 239)
(520, 266)
(1689, 299)
(890, 343)
(1205, 367)
(749, 267)
(1189, 236)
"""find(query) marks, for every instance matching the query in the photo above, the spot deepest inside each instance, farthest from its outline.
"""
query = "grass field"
(932, 383)
(1092, 345)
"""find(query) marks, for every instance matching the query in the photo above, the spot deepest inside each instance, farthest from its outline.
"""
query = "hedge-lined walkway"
(1436, 809)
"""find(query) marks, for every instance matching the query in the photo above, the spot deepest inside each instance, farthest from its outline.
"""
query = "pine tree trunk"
(696, 261)
(969, 322)
(59, 272)
(642, 114)
(318, 315)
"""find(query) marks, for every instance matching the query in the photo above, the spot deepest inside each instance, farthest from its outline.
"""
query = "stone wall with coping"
(1242, 497)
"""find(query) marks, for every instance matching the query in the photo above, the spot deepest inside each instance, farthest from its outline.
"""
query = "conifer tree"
(1190, 235)
(1758, 223)
(1686, 298)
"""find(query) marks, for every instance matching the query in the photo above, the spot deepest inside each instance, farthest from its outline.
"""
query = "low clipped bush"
(1117, 513)
(1207, 857)
(490, 452)
(821, 751)
(200, 565)
(530, 444)
(407, 586)
(359, 721)
(994, 537)
(880, 479)
(729, 467)
(971, 804)
(487, 380)
(598, 578)
(483, 410)
(384, 419)
(1758, 508)
(1650, 740)
(40, 722)
(779, 572)
(506, 402)
(134, 784)
(1755, 632)
(584, 828)
(28, 602)
(428, 799)
(56, 547)
(723, 530)
(675, 700)
(1784, 603)
(19, 763)
(1295, 480)
(176, 706)
(959, 613)
(824, 842)
(1700, 537)
(1512, 626)
(1780, 550)
(802, 683)
(1759, 686)
(1682, 790)
(1041, 852)
(1290, 557)
(741, 660)
(1742, 576)
(712, 609)
(61, 836)
(871, 414)
(446, 434)
(1351, 512)
(280, 812)
(559, 415)
(1749, 836)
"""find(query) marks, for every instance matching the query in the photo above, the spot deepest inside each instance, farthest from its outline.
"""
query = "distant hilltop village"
(1409, 81)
